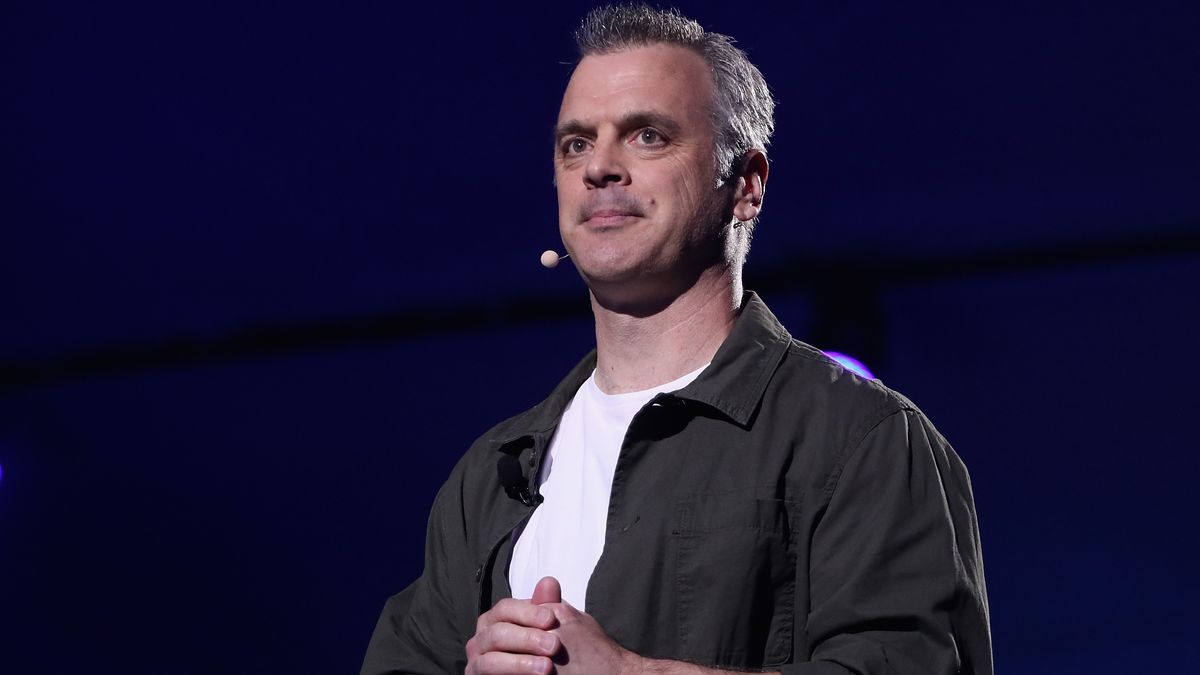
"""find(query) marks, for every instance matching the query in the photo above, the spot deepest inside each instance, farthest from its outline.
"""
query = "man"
(702, 492)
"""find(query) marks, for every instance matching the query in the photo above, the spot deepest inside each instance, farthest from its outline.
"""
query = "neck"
(640, 350)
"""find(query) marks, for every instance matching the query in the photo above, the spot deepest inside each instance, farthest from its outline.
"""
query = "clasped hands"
(538, 635)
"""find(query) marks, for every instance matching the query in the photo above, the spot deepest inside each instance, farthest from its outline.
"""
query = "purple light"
(852, 364)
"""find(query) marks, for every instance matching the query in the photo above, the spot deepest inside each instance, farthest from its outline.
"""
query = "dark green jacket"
(778, 513)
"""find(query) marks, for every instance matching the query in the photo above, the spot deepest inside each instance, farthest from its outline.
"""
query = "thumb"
(547, 590)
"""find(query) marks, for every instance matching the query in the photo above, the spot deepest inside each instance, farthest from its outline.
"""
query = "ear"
(751, 185)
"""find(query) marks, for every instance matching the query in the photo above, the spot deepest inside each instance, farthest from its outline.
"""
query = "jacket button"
(479, 574)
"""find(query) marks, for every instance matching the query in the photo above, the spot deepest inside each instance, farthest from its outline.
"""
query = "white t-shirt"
(565, 535)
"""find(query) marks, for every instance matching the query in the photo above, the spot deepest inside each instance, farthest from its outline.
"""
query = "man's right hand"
(513, 637)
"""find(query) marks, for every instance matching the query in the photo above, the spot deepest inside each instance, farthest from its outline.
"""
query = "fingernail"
(549, 643)
(545, 616)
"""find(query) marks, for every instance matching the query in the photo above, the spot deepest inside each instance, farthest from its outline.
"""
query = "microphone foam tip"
(549, 259)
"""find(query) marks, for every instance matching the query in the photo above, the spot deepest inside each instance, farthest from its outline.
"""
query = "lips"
(609, 213)
(611, 208)
(606, 216)
(599, 222)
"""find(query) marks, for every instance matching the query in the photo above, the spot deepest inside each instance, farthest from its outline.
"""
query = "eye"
(575, 146)
(650, 136)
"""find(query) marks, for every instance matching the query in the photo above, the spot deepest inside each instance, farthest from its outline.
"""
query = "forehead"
(662, 78)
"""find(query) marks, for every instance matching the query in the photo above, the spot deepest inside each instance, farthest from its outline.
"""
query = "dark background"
(267, 269)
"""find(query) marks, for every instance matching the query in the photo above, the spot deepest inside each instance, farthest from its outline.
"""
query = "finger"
(547, 590)
(519, 612)
(507, 637)
(564, 612)
(499, 663)
(472, 648)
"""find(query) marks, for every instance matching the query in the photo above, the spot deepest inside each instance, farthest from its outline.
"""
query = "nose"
(606, 166)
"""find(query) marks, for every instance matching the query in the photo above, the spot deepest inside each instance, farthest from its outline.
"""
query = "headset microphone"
(550, 259)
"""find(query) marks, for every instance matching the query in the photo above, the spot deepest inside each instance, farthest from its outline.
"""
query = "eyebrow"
(631, 120)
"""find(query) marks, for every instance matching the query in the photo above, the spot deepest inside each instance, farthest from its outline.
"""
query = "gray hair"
(743, 110)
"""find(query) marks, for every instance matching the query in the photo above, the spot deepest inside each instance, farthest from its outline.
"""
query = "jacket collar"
(736, 379)
(733, 383)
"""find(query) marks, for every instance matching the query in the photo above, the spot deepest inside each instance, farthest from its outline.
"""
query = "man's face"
(638, 204)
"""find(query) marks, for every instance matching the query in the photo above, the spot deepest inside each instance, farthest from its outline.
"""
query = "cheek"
(567, 200)
(680, 190)
(696, 197)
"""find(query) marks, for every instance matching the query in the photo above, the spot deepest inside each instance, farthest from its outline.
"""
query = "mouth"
(608, 209)
(605, 215)
(609, 217)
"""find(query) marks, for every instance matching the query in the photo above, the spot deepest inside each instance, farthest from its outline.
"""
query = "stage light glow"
(852, 364)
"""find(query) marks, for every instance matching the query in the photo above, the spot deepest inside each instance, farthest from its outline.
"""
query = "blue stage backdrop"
(266, 270)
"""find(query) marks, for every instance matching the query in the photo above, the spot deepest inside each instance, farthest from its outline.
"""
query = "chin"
(607, 272)
(626, 278)
(606, 259)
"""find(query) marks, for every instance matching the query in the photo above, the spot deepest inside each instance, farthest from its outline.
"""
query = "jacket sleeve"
(421, 629)
(896, 571)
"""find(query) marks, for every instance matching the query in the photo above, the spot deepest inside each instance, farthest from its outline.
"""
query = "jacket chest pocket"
(735, 578)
